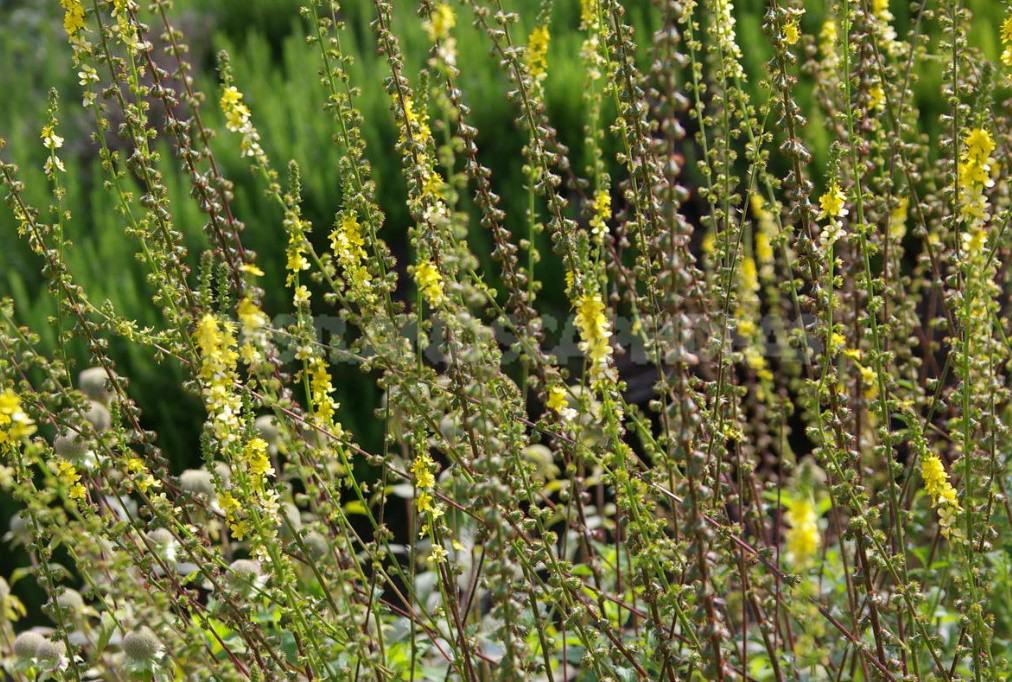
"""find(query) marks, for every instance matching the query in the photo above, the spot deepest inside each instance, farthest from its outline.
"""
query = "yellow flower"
(828, 35)
(255, 454)
(14, 421)
(73, 19)
(416, 123)
(802, 538)
(1006, 39)
(67, 473)
(240, 529)
(898, 219)
(791, 32)
(227, 502)
(876, 96)
(439, 24)
(423, 501)
(50, 139)
(602, 212)
(943, 495)
(979, 145)
(537, 52)
(236, 113)
(936, 481)
(430, 282)
(832, 202)
(595, 334)
(438, 554)
(250, 315)
(422, 469)
(556, 398)
(749, 276)
(870, 381)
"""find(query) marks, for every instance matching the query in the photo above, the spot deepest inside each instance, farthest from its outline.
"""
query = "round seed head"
(317, 545)
(18, 525)
(243, 573)
(164, 544)
(99, 416)
(291, 513)
(448, 427)
(141, 645)
(267, 426)
(161, 536)
(26, 644)
(70, 446)
(93, 382)
(70, 602)
(224, 473)
(50, 651)
(197, 481)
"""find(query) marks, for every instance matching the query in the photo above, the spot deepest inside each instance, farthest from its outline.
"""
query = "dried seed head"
(164, 544)
(18, 525)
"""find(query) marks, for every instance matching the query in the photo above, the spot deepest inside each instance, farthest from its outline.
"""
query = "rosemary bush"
(764, 437)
